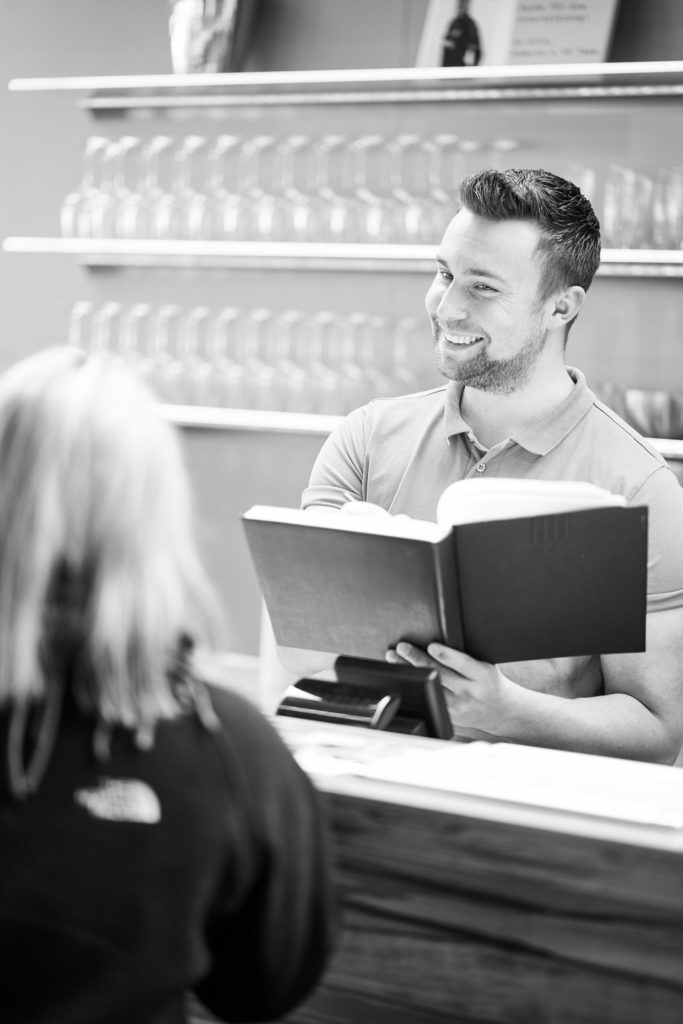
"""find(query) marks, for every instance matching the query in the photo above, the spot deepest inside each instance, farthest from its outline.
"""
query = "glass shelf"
(383, 85)
(114, 252)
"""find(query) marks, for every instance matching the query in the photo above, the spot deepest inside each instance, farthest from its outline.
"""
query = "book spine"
(448, 593)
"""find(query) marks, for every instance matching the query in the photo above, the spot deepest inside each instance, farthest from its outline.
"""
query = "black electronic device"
(375, 694)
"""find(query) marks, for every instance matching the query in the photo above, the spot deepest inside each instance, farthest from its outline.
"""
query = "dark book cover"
(545, 586)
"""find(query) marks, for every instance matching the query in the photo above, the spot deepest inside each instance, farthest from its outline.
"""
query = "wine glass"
(292, 366)
(372, 187)
(104, 327)
(401, 353)
(293, 211)
(136, 215)
(334, 208)
(192, 347)
(78, 333)
(224, 210)
(74, 219)
(159, 367)
(322, 380)
(339, 351)
(256, 352)
(444, 175)
(132, 334)
(372, 343)
(259, 161)
(181, 211)
(411, 162)
(102, 208)
(223, 356)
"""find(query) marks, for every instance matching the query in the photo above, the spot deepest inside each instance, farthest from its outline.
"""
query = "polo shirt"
(401, 453)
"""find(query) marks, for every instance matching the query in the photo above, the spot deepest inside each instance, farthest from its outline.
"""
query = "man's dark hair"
(570, 231)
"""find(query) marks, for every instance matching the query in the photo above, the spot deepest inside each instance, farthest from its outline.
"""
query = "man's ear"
(566, 306)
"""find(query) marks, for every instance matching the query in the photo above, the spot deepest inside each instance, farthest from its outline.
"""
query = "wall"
(43, 136)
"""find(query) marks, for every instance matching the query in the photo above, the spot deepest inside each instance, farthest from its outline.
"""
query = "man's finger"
(457, 660)
(414, 655)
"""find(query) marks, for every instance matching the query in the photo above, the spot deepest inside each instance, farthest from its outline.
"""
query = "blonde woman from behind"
(156, 837)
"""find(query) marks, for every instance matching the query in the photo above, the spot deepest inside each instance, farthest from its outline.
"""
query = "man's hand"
(477, 693)
(639, 715)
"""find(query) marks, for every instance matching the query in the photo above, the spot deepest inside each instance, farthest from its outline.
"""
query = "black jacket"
(202, 864)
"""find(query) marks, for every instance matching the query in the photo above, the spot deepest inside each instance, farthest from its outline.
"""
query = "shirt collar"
(546, 432)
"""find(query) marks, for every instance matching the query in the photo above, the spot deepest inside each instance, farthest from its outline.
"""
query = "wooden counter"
(496, 883)
(460, 906)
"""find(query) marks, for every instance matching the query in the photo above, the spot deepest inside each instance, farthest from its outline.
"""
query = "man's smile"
(454, 338)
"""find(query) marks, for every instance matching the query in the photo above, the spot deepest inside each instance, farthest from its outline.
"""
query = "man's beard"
(501, 376)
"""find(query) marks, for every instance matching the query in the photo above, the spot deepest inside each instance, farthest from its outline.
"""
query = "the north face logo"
(121, 800)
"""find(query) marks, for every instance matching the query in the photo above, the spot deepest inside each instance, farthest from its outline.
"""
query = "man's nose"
(451, 306)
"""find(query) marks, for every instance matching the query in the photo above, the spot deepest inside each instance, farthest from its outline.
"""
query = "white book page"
(475, 501)
(368, 521)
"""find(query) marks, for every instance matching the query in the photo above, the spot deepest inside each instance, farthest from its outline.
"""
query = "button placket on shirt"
(482, 465)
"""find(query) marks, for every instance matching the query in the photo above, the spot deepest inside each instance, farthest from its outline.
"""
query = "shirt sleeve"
(663, 496)
(273, 924)
(338, 471)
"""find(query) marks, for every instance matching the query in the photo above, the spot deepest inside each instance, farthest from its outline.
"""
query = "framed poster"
(469, 33)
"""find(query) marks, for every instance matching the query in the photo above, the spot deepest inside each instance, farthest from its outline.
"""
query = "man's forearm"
(613, 725)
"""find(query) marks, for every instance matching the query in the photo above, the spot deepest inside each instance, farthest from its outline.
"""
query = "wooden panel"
(457, 919)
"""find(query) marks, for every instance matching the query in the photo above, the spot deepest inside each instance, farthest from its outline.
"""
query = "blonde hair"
(95, 537)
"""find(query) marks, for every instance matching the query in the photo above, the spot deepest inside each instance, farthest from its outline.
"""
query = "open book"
(513, 570)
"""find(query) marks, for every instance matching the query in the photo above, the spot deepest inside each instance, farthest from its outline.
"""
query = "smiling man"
(512, 273)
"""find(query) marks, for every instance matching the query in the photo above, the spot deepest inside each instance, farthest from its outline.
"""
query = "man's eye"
(481, 287)
(444, 274)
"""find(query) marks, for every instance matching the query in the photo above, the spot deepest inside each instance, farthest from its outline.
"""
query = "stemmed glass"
(334, 208)
(292, 368)
(181, 211)
(78, 333)
(381, 366)
(401, 354)
(74, 218)
(337, 334)
(223, 356)
(411, 162)
(225, 209)
(258, 167)
(131, 339)
(136, 215)
(196, 370)
(372, 344)
(103, 207)
(256, 357)
(321, 379)
(293, 212)
(372, 187)
(158, 368)
(445, 171)
(104, 327)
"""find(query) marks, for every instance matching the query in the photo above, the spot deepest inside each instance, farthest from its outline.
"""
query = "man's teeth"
(461, 339)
